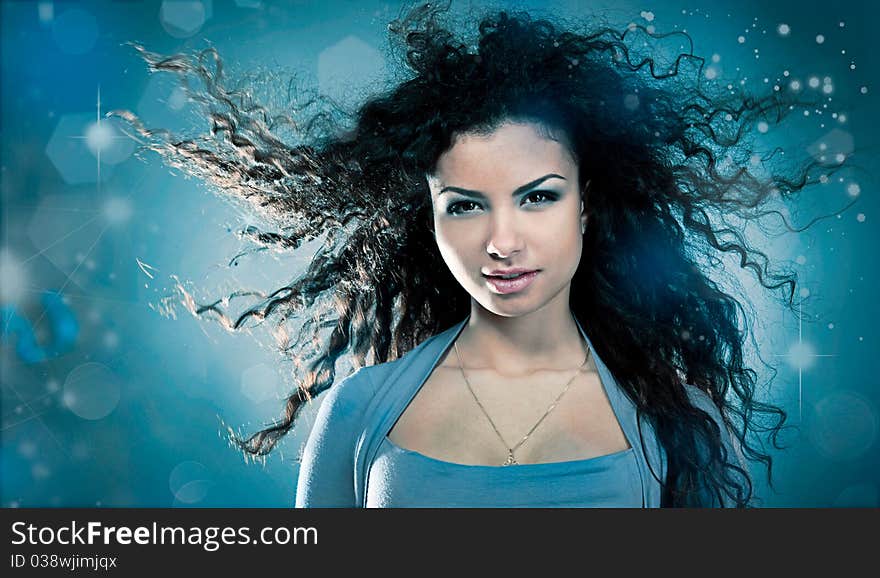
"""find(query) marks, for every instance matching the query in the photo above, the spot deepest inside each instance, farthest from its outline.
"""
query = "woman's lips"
(505, 286)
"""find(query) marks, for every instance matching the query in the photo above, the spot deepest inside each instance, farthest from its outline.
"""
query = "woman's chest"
(477, 421)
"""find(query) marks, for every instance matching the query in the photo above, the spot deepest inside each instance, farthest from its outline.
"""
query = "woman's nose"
(504, 237)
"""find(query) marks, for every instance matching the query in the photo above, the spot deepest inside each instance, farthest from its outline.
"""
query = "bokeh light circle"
(182, 18)
(189, 482)
(91, 391)
(843, 425)
(75, 31)
(858, 496)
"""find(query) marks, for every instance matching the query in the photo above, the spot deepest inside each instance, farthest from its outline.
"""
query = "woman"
(423, 434)
(600, 375)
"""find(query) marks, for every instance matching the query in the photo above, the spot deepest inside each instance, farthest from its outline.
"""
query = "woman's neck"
(545, 339)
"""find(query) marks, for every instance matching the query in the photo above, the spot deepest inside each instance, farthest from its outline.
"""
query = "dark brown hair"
(648, 142)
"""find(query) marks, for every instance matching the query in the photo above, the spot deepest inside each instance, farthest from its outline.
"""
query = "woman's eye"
(455, 208)
(548, 196)
(539, 197)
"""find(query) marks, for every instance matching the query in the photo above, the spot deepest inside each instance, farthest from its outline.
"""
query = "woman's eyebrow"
(525, 187)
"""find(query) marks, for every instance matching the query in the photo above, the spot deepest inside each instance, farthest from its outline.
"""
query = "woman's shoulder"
(359, 386)
(362, 386)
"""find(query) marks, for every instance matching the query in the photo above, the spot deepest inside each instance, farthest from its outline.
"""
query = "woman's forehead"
(513, 152)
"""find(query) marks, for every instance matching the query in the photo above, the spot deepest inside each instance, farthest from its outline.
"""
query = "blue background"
(106, 402)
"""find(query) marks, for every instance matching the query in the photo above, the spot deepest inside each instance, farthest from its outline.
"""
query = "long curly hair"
(665, 159)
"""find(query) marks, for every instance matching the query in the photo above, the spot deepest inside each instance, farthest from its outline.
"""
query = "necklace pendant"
(510, 459)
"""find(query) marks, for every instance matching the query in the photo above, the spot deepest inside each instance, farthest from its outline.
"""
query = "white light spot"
(741, 39)
(46, 11)
(716, 58)
(177, 99)
(830, 326)
(27, 448)
(711, 73)
(814, 82)
(111, 340)
(860, 217)
(783, 29)
(13, 279)
(840, 157)
(853, 189)
(842, 118)
(795, 85)
(649, 16)
(99, 136)
(841, 24)
(864, 90)
(40, 471)
(801, 355)
(763, 127)
(801, 259)
(820, 39)
(117, 210)
(828, 89)
(805, 292)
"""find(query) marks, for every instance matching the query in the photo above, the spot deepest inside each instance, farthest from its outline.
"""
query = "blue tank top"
(349, 461)
(406, 478)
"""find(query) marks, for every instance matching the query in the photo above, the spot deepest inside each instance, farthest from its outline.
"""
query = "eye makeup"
(546, 197)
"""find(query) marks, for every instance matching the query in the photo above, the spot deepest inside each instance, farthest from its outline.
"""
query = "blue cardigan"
(357, 413)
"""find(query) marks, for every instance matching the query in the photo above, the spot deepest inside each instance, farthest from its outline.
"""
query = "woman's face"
(509, 200)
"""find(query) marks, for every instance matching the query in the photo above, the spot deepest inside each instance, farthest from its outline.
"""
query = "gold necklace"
(511, 458)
